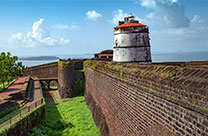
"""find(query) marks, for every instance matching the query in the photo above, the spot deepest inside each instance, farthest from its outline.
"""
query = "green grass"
(70, 117)
(6, 84)
(46, 89)
(53, 87)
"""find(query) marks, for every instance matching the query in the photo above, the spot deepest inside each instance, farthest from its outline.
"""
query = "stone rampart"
(68, 72)
(49, 70)
(156, 100)
(70, 78)
(65, 78)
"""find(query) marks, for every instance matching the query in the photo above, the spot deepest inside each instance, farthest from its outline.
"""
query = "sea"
(156, 57)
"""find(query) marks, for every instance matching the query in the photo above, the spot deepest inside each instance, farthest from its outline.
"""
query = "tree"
(9, 67)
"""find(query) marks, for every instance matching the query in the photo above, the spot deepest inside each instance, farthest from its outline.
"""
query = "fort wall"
(65, 78)
(49, 70)
(160, 100)
(68, 72)
(26, 123)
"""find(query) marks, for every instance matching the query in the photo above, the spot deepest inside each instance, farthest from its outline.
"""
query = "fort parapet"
(49, 70)
(160, 100)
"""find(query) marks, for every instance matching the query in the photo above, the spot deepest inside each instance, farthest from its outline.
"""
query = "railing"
(16, 116)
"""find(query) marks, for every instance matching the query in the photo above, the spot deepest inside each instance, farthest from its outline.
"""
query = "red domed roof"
(130, 25)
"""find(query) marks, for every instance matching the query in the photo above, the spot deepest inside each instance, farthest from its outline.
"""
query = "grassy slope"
(76, 116)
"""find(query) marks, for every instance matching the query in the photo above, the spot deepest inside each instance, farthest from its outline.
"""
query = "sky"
(62, 27)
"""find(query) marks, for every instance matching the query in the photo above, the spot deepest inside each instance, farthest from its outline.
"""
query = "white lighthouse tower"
(131, 42)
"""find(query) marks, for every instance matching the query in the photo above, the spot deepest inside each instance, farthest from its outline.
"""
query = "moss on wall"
(174, 77)
(78, 82)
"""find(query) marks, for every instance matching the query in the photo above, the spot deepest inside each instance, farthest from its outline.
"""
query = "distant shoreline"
(38, 58)
(156, 57)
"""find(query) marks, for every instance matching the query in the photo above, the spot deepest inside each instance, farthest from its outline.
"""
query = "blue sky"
(57, 27)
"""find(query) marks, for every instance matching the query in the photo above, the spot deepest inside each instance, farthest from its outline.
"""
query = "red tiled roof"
(105, 54)
(129, 25)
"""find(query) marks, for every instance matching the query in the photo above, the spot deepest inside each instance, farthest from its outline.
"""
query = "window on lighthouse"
(116, 43)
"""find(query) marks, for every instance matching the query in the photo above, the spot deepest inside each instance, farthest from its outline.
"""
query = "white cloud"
(40, 36)
(151, 19)
(167, 19)
(148, 3)
(169, 11)
(93, 15)
(197, 19)
(191, 38)
(118, 15)
(66, 27)
(174, 1)
(196, 28)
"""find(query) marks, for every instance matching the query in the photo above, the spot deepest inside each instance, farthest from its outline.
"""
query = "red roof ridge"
(129, 24)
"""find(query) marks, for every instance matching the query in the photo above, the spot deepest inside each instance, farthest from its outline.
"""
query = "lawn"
(45, 88)
(70, 117)
(53, 87)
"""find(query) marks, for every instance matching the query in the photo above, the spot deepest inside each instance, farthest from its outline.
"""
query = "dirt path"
(13, 89)
(11, 96)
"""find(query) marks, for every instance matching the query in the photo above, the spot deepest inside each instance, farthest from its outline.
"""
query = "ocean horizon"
(156, 57)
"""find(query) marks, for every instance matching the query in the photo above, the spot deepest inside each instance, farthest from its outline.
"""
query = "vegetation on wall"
(78, 83)
(23, 121)
(162, 74)
(66, 63)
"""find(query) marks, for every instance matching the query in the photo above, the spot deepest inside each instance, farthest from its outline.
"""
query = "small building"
(131, 42)
(104, 55)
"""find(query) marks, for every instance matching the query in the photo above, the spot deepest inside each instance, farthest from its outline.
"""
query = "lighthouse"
(131, 42)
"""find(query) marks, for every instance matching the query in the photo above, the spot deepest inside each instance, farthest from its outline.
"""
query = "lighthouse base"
(136, 54)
